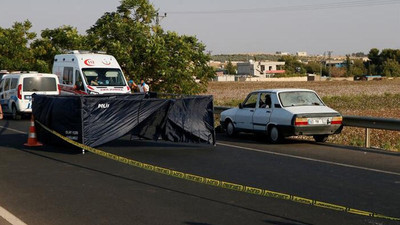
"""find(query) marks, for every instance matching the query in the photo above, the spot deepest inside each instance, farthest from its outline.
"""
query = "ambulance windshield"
(103, 77)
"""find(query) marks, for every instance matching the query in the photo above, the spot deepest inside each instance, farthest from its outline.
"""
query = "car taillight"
(301, 121)
(337, 120)
(59, 89)
(20, 91)
(90, 87)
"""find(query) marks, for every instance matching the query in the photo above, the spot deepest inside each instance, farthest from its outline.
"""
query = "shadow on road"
(293, 221)
(126, 141)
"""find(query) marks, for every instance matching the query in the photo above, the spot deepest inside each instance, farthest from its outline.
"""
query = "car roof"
(27, 74)
(283, 90)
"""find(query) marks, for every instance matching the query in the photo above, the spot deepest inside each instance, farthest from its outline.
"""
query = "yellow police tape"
(219, 183)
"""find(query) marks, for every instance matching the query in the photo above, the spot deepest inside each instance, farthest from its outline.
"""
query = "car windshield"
(40, 84)
(103, 77)
(299, 98)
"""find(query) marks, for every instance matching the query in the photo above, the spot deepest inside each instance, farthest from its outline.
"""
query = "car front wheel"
(274, 135)
(230, 129)
(320, 138)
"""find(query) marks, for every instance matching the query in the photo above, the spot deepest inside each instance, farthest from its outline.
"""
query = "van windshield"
(103, 77)
(39, 84)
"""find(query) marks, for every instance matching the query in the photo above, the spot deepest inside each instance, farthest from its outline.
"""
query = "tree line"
(169, 62)
(385, 62)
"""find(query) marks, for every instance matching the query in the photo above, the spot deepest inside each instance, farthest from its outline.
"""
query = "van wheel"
(230, 129)
(15, 114)
(274, 136)
(320, 138)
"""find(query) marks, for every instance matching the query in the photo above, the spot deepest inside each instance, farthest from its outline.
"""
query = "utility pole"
(160, 17)
(329, 60)
(322, 60)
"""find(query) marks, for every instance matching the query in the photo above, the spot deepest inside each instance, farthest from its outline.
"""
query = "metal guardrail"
(355, 121)
(372, 122)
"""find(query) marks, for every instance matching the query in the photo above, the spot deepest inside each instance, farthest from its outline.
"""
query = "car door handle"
(268, 111)
(251, 110)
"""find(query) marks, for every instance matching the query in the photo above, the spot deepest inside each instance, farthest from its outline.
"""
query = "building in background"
(260, 68)
(282, 53)
(335, 63)
(301, 53)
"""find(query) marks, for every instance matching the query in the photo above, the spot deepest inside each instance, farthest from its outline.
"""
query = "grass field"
(363, 98)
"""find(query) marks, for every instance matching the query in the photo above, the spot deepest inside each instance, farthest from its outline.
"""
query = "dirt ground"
(361, 98)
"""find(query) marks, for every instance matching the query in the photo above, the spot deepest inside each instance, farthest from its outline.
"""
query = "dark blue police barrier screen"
(97, 119)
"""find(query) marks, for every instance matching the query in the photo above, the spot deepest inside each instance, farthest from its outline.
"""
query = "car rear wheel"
(320, 138)
(274, 136)
(15, 114)
(230, 129)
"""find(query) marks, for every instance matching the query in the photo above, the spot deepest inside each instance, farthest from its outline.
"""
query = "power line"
(337, 5)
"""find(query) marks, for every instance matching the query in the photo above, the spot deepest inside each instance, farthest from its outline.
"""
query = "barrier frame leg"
(367, 138)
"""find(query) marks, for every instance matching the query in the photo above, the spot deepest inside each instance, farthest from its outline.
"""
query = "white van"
(89, 73)
(16, 91)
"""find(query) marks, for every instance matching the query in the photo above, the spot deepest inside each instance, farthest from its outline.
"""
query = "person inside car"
(267, 103)
(95, 82)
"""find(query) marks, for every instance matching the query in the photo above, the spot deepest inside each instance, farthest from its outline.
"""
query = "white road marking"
(17, 131)
(3, 212)
(310, 159)
(282, 154)
(10, 217)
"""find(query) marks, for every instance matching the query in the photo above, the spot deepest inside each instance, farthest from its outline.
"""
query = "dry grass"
(372, 98)
(228, 91)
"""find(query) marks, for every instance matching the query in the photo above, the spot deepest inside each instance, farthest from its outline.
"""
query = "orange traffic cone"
(32, 140)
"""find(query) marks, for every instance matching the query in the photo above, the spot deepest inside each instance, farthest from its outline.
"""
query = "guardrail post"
(367, 141)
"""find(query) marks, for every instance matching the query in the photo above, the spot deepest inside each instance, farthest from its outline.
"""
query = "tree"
(56, 41)
(378, 61)
(313, 67)
(14, 51)
(391, 68)
(293, 65)
(373, 56)
(358, 68)
(169, 62)
(348, 66)
(230, 68)
(358, 54)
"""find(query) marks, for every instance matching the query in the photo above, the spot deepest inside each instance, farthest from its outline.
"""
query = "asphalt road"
(59, 185)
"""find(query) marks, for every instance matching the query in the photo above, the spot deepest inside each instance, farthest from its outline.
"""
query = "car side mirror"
(240, 106)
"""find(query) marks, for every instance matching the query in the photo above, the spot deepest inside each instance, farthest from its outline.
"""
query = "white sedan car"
(281, 113)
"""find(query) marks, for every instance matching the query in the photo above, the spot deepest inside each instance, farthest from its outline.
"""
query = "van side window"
(7, 84)
(67, 75)
(78, 80)
(14, 83)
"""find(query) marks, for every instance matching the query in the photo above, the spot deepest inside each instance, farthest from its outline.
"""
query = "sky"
(238, 26)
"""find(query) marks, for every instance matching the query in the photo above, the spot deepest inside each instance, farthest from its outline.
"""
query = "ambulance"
(89, 73)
